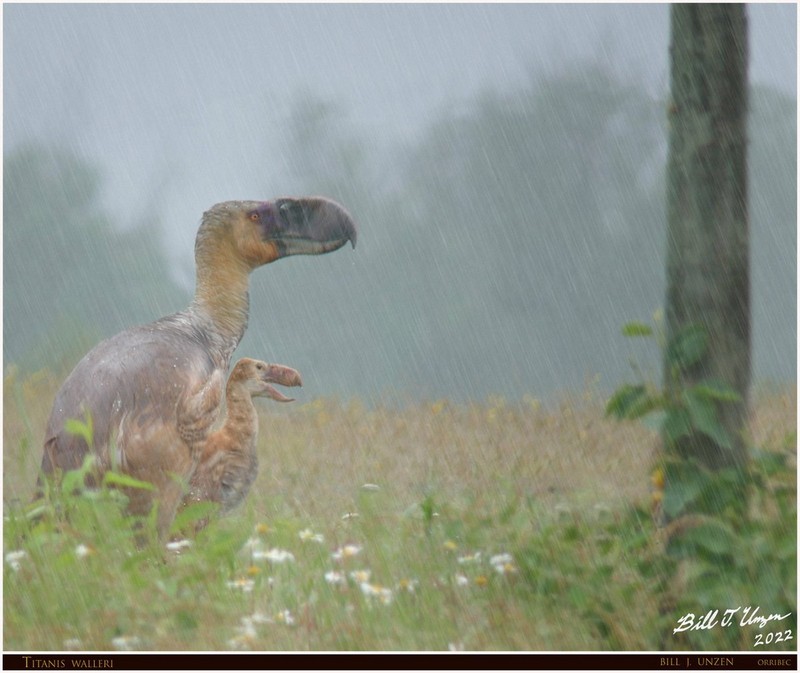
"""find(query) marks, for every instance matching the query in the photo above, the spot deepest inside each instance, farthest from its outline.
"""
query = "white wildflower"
(334, 577)
(243, 584)
(346, 552)
(503, 563)
(178, 545)
(360, 576)
(285, 617)
(383, 594)
(273, 555)
(252, 543)
(125, 642)
(462, 580)
(501, 559)
(259, 618)
(13, 558)
(83, 550)
(247, 629)
(240, 642)
(308, 535)
(370, 487)
(470, 558)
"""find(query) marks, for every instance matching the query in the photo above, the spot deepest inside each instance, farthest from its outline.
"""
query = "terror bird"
(154, 391)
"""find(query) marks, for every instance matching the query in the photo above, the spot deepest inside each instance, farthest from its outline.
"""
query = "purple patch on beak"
(304, 226)
(269, 223)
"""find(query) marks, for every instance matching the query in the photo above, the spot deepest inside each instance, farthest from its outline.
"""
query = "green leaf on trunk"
(687, 347)
(684, 482)
(703, 412)
(716, 390)
(677, 424)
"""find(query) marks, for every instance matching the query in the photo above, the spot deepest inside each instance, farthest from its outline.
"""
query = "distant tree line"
(70, 275)
(499, 253)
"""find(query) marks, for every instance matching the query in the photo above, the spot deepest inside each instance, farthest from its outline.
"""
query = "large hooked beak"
(307, 226)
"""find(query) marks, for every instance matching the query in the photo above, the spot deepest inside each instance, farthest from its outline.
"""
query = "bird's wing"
(133, 387)
(199, 409)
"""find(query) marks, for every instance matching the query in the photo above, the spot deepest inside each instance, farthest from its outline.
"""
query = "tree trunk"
(708, 280)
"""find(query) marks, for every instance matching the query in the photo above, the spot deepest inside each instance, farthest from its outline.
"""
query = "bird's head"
(260, 232)
(257, 376)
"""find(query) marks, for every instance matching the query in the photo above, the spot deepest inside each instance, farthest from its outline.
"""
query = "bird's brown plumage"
(155, 390)
(228, 460)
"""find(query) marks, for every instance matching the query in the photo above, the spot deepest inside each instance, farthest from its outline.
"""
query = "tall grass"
(493, 526)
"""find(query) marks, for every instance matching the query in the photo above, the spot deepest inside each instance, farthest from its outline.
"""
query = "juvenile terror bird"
(228, 461)
(155, 390)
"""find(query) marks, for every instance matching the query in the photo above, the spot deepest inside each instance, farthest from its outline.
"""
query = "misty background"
(505, 165)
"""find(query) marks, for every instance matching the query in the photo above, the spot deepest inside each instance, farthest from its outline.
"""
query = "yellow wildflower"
(657, 478)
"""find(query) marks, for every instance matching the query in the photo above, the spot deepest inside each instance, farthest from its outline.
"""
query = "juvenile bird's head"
(257, 376)
(252, 233)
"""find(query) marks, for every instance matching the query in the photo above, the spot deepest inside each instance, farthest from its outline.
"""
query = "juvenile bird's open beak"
(283, 376)
(307, 225)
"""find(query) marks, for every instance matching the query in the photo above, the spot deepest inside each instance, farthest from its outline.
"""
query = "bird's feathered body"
(154, 391)
(136, 386)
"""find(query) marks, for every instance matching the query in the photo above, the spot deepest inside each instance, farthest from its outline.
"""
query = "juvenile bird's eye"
(254, 216)
(259, 366)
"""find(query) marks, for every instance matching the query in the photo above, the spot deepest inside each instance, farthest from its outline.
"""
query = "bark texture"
(708, 279)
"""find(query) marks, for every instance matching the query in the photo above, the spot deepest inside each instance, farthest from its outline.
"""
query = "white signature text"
(749, 616)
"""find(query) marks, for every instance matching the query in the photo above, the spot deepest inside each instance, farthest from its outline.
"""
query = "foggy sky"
(188, 99)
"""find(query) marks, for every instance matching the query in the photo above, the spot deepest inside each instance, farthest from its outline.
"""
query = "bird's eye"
(255, 216)
(259, 366)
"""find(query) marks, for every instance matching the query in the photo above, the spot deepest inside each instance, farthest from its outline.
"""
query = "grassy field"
(492, 526)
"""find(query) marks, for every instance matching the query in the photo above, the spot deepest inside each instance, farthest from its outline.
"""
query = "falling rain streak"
(504, 163)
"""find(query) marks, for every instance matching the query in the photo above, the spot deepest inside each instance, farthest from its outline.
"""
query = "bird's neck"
(221, 297)
(241, 418)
